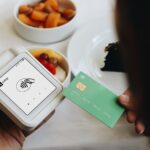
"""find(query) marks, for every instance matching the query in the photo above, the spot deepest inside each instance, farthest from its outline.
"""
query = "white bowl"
(65, 64)
(45, 35)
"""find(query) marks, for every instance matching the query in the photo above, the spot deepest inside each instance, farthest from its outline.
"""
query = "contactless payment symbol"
(24, 84)
(82, 77)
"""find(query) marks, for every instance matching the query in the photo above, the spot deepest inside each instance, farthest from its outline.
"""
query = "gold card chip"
(80, 86)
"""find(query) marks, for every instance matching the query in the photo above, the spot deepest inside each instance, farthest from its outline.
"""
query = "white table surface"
(71, 128)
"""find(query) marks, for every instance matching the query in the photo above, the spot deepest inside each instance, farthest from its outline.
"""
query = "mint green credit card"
(94, 98)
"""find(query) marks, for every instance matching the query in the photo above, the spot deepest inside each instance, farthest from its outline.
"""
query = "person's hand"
(131, 106)
(12, 137)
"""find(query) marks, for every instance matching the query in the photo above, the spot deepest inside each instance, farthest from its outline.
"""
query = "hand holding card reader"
(28, 92)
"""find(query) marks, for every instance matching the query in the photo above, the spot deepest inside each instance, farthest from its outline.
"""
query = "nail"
(141, 132)
(140, 128)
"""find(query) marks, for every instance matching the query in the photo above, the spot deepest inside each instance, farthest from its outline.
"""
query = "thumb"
(125, 100)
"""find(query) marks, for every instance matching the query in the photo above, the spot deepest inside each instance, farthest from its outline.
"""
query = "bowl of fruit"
(54, 62)
(45, 21)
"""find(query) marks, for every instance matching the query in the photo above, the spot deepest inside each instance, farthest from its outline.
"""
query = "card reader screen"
(26, 86)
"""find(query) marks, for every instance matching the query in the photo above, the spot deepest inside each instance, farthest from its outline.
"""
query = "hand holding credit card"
(95, 99)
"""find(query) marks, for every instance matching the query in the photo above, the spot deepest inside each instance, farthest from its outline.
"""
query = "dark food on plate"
(45, 14)
(113, 60)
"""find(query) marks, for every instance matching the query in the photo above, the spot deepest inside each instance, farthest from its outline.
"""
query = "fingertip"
(124, 100)
(139, 127)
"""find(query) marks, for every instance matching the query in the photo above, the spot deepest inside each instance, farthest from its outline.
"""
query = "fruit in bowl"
(45, 14)
(52, 61)
(41, 21)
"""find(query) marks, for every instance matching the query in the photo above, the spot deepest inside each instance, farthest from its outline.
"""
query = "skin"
(127, 100)
(11, 136)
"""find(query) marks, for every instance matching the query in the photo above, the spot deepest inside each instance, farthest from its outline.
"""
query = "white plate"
(86, 53)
